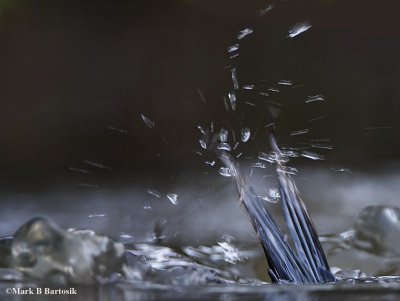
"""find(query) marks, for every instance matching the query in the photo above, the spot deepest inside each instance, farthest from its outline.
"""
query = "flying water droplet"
(298, 28)
(224, 146)
(233, 48)
(153, 192)
(232, 99)
(287, 170)
(203, 144)
(211, 163)
(245, 134)
(314, 98)
(299, 132)
(201, 129)
(234, 79)
(274, 193)
(225, 172)
(285, 82)
(265, 10)
(173, 197)
(97, 164)
(245, 32)
(248, 87)
(312, 156)
(223, 135)
(150, 123)
(96, 215)
(322, 146)
(259, 165)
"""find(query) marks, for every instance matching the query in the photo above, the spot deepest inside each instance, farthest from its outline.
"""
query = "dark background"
(70, 69)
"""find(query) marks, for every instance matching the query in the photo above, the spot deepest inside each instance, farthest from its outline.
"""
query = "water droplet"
(245, 134)
(153, 192)
(298, 28)
(203, 144)
(233, 48)
(234, 79)
(211, 163)
(232, 99)
(299, 132)
(96, 215)
(312, 156)
(224, 146)
(245, 32)
(314, 98)
(224, 171)
(274, 193)
(285, 82)
(173, 198)
(248, 87)
(223, 135)
(150, 123)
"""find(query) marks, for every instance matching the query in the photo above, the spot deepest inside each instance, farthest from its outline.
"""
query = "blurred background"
(75, 77)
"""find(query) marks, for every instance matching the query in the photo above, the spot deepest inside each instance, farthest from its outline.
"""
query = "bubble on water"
(173, 198)
(224, 146)
(245, 32)
(225, 172)
(315, 98)
(299, 132)
(312, 156)
(285, 82)
(232, 99)
(235, 80)
(233, 48)
(248, 87)
(203, 143)
(223, 135)
(298, 28)
(245, 134)
(154, 192)
(150, 123)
